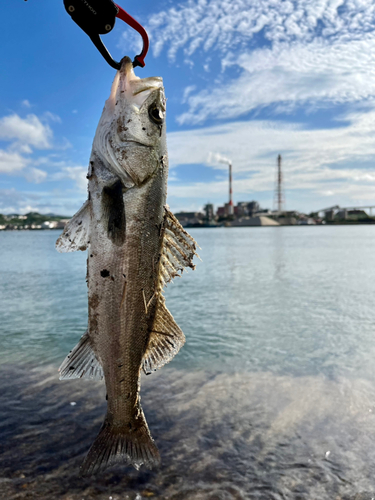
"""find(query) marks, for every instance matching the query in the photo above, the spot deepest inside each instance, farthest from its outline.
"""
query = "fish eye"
(156, 115)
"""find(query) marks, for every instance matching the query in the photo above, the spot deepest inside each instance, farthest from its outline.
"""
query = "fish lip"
(139, 143)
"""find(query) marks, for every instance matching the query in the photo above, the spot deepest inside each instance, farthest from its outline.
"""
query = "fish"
(135, 247)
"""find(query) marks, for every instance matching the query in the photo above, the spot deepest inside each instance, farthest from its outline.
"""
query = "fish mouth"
(127, 86)
(149, 88)
(138, 143)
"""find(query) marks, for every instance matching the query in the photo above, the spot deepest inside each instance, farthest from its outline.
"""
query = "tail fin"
(127, 444)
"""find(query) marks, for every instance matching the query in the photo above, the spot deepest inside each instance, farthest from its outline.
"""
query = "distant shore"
(205, 226)
(22, 228)
(33, 221)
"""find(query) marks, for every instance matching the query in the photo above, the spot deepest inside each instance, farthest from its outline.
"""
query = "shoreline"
(210, 226)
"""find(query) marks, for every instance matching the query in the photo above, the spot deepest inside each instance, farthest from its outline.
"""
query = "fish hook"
(97, 17)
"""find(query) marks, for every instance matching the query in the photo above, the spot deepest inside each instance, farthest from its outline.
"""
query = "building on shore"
(225, 211)
(260, 220)
(242, 209)
(21, 222)
(188, 219)
(209, 212)
(49, 224)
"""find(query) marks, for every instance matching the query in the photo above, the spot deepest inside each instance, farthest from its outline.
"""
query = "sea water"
(272, 397)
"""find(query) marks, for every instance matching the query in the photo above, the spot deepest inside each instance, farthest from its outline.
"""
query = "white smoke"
(218, 158)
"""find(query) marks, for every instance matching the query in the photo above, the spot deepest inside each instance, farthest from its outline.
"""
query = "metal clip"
(98, 17)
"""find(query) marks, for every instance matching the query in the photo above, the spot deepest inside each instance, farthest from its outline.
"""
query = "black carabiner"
(98, 17)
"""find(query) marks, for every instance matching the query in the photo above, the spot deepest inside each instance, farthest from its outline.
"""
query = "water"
(272, 397)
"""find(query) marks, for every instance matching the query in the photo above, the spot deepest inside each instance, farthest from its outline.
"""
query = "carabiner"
(139, 60)
(98, 17)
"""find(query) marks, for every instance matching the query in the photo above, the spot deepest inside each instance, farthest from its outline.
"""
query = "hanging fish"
(135, 247)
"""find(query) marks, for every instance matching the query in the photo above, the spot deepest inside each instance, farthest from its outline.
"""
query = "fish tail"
(125, 444)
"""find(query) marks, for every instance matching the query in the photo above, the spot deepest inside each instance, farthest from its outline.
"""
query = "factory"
(249, 213)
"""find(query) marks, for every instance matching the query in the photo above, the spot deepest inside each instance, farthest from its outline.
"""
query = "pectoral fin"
(76, 233)
(165, 340)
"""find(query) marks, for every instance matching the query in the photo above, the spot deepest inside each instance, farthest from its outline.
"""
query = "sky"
(245, 79)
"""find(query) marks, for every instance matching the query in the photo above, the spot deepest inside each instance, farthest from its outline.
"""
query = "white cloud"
(187, 91)
(13, 201)
(24, 135)
(29, 130)
(225, 25)
(35, 175)
(129, 41)
(78, 174)
(58, 202)
(318, 73)
(287, 53)
(26, 103)
(52, 117)
(14, 163)
(338, 160)
(20, 148)
(11, 162)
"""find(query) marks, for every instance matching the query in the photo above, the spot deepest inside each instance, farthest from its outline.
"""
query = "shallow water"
(272, 397)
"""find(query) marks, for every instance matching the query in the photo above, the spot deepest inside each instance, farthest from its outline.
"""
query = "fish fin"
(178, 249)
(126, 444)
(166, 337)
(76, 233)
(165, 340)
(81, 362)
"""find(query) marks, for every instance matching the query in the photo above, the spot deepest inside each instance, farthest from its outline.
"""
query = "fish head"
(131, 134)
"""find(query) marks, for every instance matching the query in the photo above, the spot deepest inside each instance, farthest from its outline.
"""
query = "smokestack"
(230, 209)
(279, 184)
(218, 158)
(279, 192)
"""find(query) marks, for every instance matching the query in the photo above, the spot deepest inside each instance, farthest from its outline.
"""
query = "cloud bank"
(273, 53)
(23, 137)
(29, 131)
(328, 162)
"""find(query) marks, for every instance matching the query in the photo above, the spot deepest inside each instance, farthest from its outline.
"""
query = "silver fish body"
(135, 247)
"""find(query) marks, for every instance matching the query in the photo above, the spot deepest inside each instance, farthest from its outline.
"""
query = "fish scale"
(135, 247)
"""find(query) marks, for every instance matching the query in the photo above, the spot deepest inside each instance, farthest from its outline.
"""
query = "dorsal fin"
(76, 233)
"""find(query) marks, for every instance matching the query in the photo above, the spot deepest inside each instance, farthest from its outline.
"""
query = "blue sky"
(245, 79)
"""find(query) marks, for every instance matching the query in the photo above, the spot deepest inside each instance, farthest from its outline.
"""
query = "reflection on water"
(221, 436)
(279, 262)
(291, 300)
(272, 397)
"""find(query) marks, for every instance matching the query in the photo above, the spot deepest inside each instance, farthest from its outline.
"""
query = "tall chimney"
(230, 210)
(279, 184)
(279, 191)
